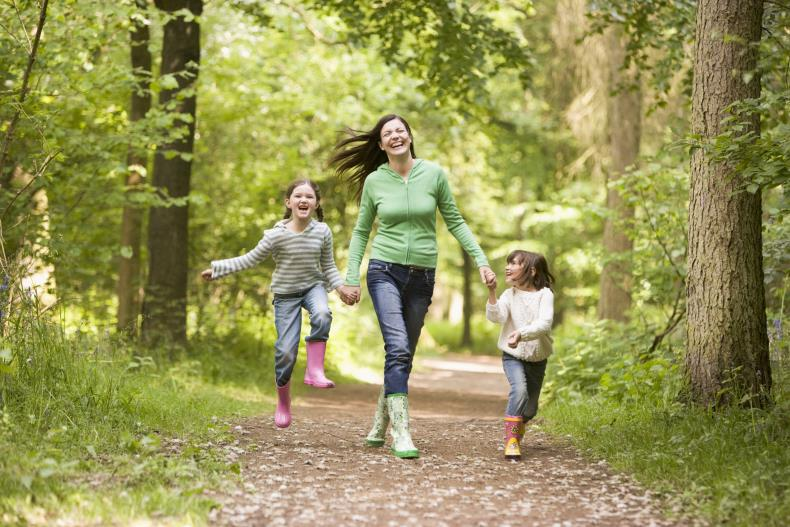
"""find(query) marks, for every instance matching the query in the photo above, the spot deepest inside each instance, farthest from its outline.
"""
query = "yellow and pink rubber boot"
(513, 425)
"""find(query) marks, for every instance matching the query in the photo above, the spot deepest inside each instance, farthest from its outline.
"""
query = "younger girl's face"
(302, 201)
(514, 272)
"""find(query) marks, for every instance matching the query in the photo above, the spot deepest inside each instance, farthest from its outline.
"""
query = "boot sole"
(319, 385)
(374, 442)
(406, 454)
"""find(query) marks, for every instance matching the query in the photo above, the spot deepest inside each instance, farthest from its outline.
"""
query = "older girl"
(304, 271)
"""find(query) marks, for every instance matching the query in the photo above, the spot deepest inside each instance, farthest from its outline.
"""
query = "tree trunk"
(466, 337)
(624, 123)
(137, 161)
(164, 308)
(727, 335)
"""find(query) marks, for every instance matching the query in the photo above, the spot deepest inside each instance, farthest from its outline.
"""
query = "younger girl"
(526, 312)
(304, 270)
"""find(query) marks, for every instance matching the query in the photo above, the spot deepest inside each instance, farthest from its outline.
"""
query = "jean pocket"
(377, 265)
(430, 277)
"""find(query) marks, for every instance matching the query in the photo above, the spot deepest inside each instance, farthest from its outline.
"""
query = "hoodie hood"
(386, 169)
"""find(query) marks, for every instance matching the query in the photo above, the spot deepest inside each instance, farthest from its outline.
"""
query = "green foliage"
(658, 33)
(730, 467)
(81, 415)
(613, 362)
(452, 48)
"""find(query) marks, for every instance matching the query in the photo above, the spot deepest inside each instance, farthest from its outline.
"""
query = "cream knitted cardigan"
(529, 312)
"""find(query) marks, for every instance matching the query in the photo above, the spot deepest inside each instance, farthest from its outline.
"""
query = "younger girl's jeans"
(526, 380)
(401, 295)
(288, 321)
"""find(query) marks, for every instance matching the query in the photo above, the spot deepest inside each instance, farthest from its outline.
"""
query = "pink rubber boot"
(282, 415)
(314, 374)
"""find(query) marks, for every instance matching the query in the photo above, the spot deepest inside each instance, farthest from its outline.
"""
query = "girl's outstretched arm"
(261, 251)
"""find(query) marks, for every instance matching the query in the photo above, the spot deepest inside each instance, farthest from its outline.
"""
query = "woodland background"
(641, 146)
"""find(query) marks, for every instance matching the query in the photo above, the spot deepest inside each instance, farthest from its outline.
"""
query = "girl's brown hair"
(542, 278)
(319, 212)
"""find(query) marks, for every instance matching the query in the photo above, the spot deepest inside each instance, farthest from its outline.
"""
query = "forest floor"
(318, 471)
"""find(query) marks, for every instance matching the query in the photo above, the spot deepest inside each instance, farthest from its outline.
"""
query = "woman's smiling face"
(395, 139)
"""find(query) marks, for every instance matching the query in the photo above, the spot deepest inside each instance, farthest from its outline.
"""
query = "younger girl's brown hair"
(542, 277)
(319, 212)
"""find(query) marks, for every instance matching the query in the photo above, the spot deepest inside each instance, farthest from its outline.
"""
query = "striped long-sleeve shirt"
(302, 260)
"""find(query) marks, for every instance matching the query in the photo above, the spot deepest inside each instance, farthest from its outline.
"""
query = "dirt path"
(317, 472)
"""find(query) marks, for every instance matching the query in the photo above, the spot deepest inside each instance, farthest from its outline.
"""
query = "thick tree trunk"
(466, 336)
(727, 336)
(164, 308)
(624, 123)
(137, 161)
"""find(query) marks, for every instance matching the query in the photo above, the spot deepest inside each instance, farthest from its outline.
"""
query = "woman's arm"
(360, 235)
(455, 222)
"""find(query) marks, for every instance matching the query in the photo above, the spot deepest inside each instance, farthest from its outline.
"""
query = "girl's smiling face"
(514, 271)
(302, 202)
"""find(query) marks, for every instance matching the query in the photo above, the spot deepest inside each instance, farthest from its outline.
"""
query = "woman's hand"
(207, 275)
(513, 339)
(488, 276)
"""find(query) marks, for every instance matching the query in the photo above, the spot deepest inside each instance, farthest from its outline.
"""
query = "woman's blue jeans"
(401, 295)
(526, 380)
(288, 321)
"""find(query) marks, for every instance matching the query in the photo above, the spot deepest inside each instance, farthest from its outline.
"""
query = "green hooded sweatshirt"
(406, 212)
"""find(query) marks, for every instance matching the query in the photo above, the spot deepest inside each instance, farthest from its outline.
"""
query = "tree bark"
(727, 336)
(625, 128)
(164, 307)
(466, 336)
(128, 287)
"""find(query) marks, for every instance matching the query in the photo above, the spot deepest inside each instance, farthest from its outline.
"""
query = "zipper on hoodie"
(408, 205)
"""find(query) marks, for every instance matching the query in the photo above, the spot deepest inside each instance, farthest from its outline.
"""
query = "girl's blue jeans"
(401, 295)
(288, 321)
(526, 380)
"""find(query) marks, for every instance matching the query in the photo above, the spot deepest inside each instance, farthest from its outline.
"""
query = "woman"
(403, 193)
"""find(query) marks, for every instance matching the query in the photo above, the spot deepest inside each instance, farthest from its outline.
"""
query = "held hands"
(513, 339)
(488, 276)
(206, 275)
(349, 294)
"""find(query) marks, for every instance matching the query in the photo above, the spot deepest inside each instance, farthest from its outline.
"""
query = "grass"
(732, 467)
(92, 433)
(95, 430)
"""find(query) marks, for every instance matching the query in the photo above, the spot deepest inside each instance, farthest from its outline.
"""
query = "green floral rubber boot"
(380, 422)
(398, 409)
